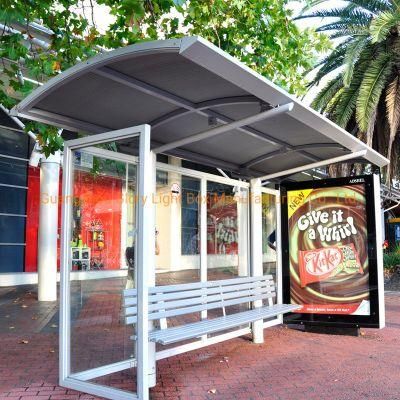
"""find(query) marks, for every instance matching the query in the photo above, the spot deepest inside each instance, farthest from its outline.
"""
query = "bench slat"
(176, 334)
(161, 296)
(205, 324)
(189, 310)
(201, 299)
(197, 285)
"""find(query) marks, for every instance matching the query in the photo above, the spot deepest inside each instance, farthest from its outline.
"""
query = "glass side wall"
(227, 233)
(227, 239)
(269, 237)
(177, 235)
(103, 256)
(177, 228)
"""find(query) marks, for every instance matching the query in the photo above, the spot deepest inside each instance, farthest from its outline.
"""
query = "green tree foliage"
(363, 92)
(258, 32)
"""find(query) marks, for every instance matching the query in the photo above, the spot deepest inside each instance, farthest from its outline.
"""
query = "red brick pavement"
(291, 365)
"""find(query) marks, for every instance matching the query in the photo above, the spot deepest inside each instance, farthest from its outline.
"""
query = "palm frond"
(329, 110)
(393, 111)
(373, 82)
(349, 32)
(351, 15)
(369, 134)
(330, 63)
(343, 25)
(381, 25)
(373, 6)
(325, 95)
(346, 105)
(353, 52)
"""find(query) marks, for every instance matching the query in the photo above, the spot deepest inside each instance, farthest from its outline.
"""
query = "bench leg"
(152, 364)
(258, 331)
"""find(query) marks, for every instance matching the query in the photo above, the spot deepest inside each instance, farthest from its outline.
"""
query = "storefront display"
(222, 229)
(329, 259)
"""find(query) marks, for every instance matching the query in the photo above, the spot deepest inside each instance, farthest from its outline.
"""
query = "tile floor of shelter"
(290, 365)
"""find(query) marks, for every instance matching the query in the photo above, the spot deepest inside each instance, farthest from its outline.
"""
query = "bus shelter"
(158, 119)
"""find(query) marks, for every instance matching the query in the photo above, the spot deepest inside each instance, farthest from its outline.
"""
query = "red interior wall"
(32, 220)
(101, 198)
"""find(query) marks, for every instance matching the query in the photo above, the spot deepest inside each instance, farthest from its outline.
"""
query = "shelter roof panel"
(187, 87)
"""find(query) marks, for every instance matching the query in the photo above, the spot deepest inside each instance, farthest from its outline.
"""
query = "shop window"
(13, 172)
(100, 217)
(12, 229)
(12, 258)
(12, 143)
(12, 200)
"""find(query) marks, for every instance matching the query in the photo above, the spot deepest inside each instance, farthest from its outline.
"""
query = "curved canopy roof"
(183, 87)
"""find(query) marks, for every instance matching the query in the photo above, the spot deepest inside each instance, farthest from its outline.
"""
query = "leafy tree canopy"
(260, 33)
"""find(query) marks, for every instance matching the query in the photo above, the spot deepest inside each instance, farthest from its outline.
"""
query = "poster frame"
(375, 319)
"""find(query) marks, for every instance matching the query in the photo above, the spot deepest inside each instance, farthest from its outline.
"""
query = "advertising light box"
(330, 254)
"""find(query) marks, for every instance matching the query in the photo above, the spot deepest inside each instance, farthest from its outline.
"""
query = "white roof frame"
(213, 59)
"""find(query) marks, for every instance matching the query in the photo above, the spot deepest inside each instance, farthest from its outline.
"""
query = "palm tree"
(363, 96)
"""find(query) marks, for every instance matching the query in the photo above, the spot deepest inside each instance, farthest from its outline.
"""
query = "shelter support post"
(146, 354)
(379, 251)
(256, 249)
(48, 234)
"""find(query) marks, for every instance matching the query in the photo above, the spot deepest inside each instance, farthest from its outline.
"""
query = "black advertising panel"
(329, 253)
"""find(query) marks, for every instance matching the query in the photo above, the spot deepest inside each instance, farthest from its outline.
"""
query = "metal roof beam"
(154, 91)
(65, 122)
(358, 154)
(199, 158)
(225, 101)
(225, 128)
(285, 150)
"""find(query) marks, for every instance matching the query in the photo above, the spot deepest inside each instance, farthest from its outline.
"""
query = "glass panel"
(269, 233)
(269, 225)
(177, 235)
(12, 229)
(226, 231)
(12, 258)
(177, 229)
(12, 200)
(13, 172)
(13, 143)
(102, 247)
(99, 204)
(227, 239)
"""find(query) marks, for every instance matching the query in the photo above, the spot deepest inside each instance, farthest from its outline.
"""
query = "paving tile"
(290, 365)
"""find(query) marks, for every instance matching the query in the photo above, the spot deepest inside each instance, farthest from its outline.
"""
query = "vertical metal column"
(203, 237)
(48, 226)
(279, 276)
(243, 231)
(145, 266)
(256, 249)
(379, 251)
(65, 295)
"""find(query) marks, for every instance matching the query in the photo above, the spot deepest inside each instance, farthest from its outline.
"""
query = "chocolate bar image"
(320, 264)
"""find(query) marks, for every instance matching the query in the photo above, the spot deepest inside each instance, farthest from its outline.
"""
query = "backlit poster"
(329, 258)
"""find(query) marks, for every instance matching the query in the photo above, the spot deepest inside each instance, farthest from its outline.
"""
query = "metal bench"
(176, 300)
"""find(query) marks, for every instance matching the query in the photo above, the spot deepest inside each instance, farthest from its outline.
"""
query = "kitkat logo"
(322, 262)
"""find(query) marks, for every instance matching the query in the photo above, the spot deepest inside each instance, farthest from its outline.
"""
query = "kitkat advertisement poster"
(327, 245)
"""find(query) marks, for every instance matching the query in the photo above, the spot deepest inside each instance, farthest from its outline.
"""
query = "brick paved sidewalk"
(291, 365)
